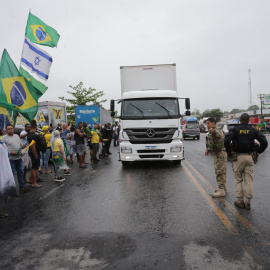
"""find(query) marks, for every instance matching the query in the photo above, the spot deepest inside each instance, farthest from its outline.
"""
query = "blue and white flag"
(36, 60)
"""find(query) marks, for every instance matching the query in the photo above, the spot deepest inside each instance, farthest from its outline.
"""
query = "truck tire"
(177, 161)
(125, 163)
(198, 137)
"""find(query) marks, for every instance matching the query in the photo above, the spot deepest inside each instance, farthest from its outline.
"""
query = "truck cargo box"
(149, 77)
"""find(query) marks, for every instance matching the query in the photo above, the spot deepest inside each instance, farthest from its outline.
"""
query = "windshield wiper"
(164, 109)
(137, 109)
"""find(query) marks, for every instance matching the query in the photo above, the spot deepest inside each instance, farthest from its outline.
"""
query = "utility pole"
(261, 97)
(249, 89)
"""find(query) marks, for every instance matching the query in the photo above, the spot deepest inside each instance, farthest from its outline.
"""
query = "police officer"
(240, 140)
(215, 143)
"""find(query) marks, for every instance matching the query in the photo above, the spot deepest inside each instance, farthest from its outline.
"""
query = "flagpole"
(15, 121)
(24, 38)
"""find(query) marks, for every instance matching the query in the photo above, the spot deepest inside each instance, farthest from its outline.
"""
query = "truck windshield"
(158, 108)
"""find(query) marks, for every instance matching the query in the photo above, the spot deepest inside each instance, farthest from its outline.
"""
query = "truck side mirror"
(187, 101)
(112, 105)
(112, 114)
(187, 113)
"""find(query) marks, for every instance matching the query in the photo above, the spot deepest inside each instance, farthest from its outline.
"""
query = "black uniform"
(242, 138)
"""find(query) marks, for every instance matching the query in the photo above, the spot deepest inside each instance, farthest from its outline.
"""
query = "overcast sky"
(213, 44)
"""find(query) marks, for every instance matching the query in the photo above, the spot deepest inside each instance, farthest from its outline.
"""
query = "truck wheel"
(125, 163)
(198, 137)
(194, 138)
(177, 161)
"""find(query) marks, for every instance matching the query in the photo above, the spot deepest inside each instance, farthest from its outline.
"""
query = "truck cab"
(150, 120)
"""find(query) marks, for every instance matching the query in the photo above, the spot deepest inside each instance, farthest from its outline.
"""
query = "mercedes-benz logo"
(150, 133)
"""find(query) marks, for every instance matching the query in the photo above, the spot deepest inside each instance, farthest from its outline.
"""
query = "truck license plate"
(151, 147)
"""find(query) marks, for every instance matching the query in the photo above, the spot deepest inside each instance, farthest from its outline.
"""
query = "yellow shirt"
(47, 139)
(57, 144)
(95, 138)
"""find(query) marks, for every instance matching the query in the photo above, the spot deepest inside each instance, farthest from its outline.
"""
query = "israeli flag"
(36, 60)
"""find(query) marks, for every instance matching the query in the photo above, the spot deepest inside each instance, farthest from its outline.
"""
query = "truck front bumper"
(142, 152)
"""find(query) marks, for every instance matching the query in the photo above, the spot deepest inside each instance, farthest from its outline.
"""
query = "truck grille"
(151, 151)
(151, 156)
(150, 135)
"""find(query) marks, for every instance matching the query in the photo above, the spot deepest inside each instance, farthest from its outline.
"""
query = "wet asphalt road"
(146, 216)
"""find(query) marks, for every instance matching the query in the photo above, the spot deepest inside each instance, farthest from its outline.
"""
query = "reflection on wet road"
(154, 215)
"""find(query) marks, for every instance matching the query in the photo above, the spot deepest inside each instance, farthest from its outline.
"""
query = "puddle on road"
(69, 259)
(38, 250)
(208, 257)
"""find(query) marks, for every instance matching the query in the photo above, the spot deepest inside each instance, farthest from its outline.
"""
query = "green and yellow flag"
(39, 32)
(7, 117)
(16, 93)
(40, 87)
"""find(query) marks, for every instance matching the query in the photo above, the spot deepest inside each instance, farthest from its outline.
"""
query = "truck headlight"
(176, 148)
(126, 150)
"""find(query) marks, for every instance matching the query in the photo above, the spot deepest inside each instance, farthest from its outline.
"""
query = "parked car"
(226, 126)
(203, 128)
(191, 131)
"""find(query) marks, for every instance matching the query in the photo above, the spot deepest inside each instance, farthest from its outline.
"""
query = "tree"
(195, 112)
(216, 113)
(235, 111)
(82, 96)
(253, 108)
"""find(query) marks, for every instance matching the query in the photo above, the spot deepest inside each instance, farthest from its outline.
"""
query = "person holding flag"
(13, 144)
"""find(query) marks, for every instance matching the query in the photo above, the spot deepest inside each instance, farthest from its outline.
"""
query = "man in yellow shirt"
(95, 142)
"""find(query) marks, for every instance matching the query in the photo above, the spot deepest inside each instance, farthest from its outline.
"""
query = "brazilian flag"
(7, 117)
(39, 32)
(16, 92)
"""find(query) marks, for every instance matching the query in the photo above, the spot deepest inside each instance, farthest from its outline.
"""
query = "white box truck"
(150, 115)
(49, 113)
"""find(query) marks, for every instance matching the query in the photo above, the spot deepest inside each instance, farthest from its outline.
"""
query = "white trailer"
(49, 113)
(150, 115)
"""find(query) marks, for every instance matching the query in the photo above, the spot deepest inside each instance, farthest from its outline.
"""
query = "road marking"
(231, 208)
(216, 209)
(225, 202)
(50, 192)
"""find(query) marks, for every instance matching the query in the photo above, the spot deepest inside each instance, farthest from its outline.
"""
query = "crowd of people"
(33, 148)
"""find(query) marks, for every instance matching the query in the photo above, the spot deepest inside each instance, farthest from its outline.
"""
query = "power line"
(261, 97)
(249, 89)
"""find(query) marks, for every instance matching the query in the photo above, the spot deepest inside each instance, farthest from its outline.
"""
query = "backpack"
(42, 146)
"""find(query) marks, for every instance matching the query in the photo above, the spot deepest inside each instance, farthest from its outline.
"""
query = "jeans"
(115, 140)
(95, 150)
(18, 166)
(100, 148)
(107, 146)
(44, 157)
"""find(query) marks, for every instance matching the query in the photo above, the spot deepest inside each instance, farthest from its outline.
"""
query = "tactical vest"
(244, 141)
(216, 144)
